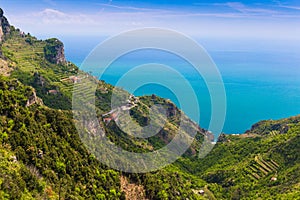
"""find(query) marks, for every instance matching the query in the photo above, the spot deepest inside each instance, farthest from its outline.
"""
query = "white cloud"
(242, 8)
(52, 16)
(132, 8)
(51, 13)
(290, 7)
(198, 24)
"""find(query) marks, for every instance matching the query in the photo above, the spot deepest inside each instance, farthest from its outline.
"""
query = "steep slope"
(4, 26)
(4, 31)
(18, 181)
(42, 155)
(45, 140)
(37, 124)
(42, 65)
(262, 163)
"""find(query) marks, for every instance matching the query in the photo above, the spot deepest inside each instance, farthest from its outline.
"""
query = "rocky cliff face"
(4, 26)
(32, 98)
(54, 51)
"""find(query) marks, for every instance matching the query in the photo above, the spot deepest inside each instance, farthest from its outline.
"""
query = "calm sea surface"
(262, 81)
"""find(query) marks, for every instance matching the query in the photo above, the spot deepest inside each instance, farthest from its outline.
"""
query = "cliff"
(4, 26)
(54, 51)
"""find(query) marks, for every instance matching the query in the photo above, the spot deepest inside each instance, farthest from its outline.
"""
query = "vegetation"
(257, 164)
(42, 155)
(45, 141)
(53, 50)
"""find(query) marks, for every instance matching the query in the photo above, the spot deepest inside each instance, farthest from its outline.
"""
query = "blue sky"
(272, 19)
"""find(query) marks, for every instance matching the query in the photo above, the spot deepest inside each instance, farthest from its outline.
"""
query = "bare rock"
(4, 26)
(33, 99)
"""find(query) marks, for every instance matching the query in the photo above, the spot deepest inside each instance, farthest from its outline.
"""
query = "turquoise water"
(261, 83)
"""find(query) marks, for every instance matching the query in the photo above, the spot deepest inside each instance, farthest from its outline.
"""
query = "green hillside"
(257, 165)
(43, 157)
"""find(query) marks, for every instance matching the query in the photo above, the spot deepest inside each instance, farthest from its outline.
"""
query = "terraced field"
(23, 54)
(274, 133)
(260, 168)
(28, 55)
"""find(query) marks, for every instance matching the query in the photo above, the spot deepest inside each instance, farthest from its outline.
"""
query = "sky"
(245, 19)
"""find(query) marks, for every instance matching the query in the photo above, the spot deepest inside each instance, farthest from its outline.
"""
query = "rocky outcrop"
(39, 80)
(4, 26)
(5, 69)
(54, 51)
(33, 99)
(172, 110)
(132, 191)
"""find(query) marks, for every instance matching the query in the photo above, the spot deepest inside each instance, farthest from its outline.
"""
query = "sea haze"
(261, 77)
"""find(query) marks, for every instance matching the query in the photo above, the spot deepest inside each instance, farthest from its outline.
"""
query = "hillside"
(42, 155)
(261, 163)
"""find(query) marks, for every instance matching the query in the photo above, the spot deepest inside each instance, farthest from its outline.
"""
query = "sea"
(261, 76)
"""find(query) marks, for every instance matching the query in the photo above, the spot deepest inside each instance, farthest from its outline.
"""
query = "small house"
(273, 179)
(55, 92)
(107, 120)
(74, 79)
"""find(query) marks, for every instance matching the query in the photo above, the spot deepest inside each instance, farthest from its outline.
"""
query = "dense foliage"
(45, 141)
(52, 50)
